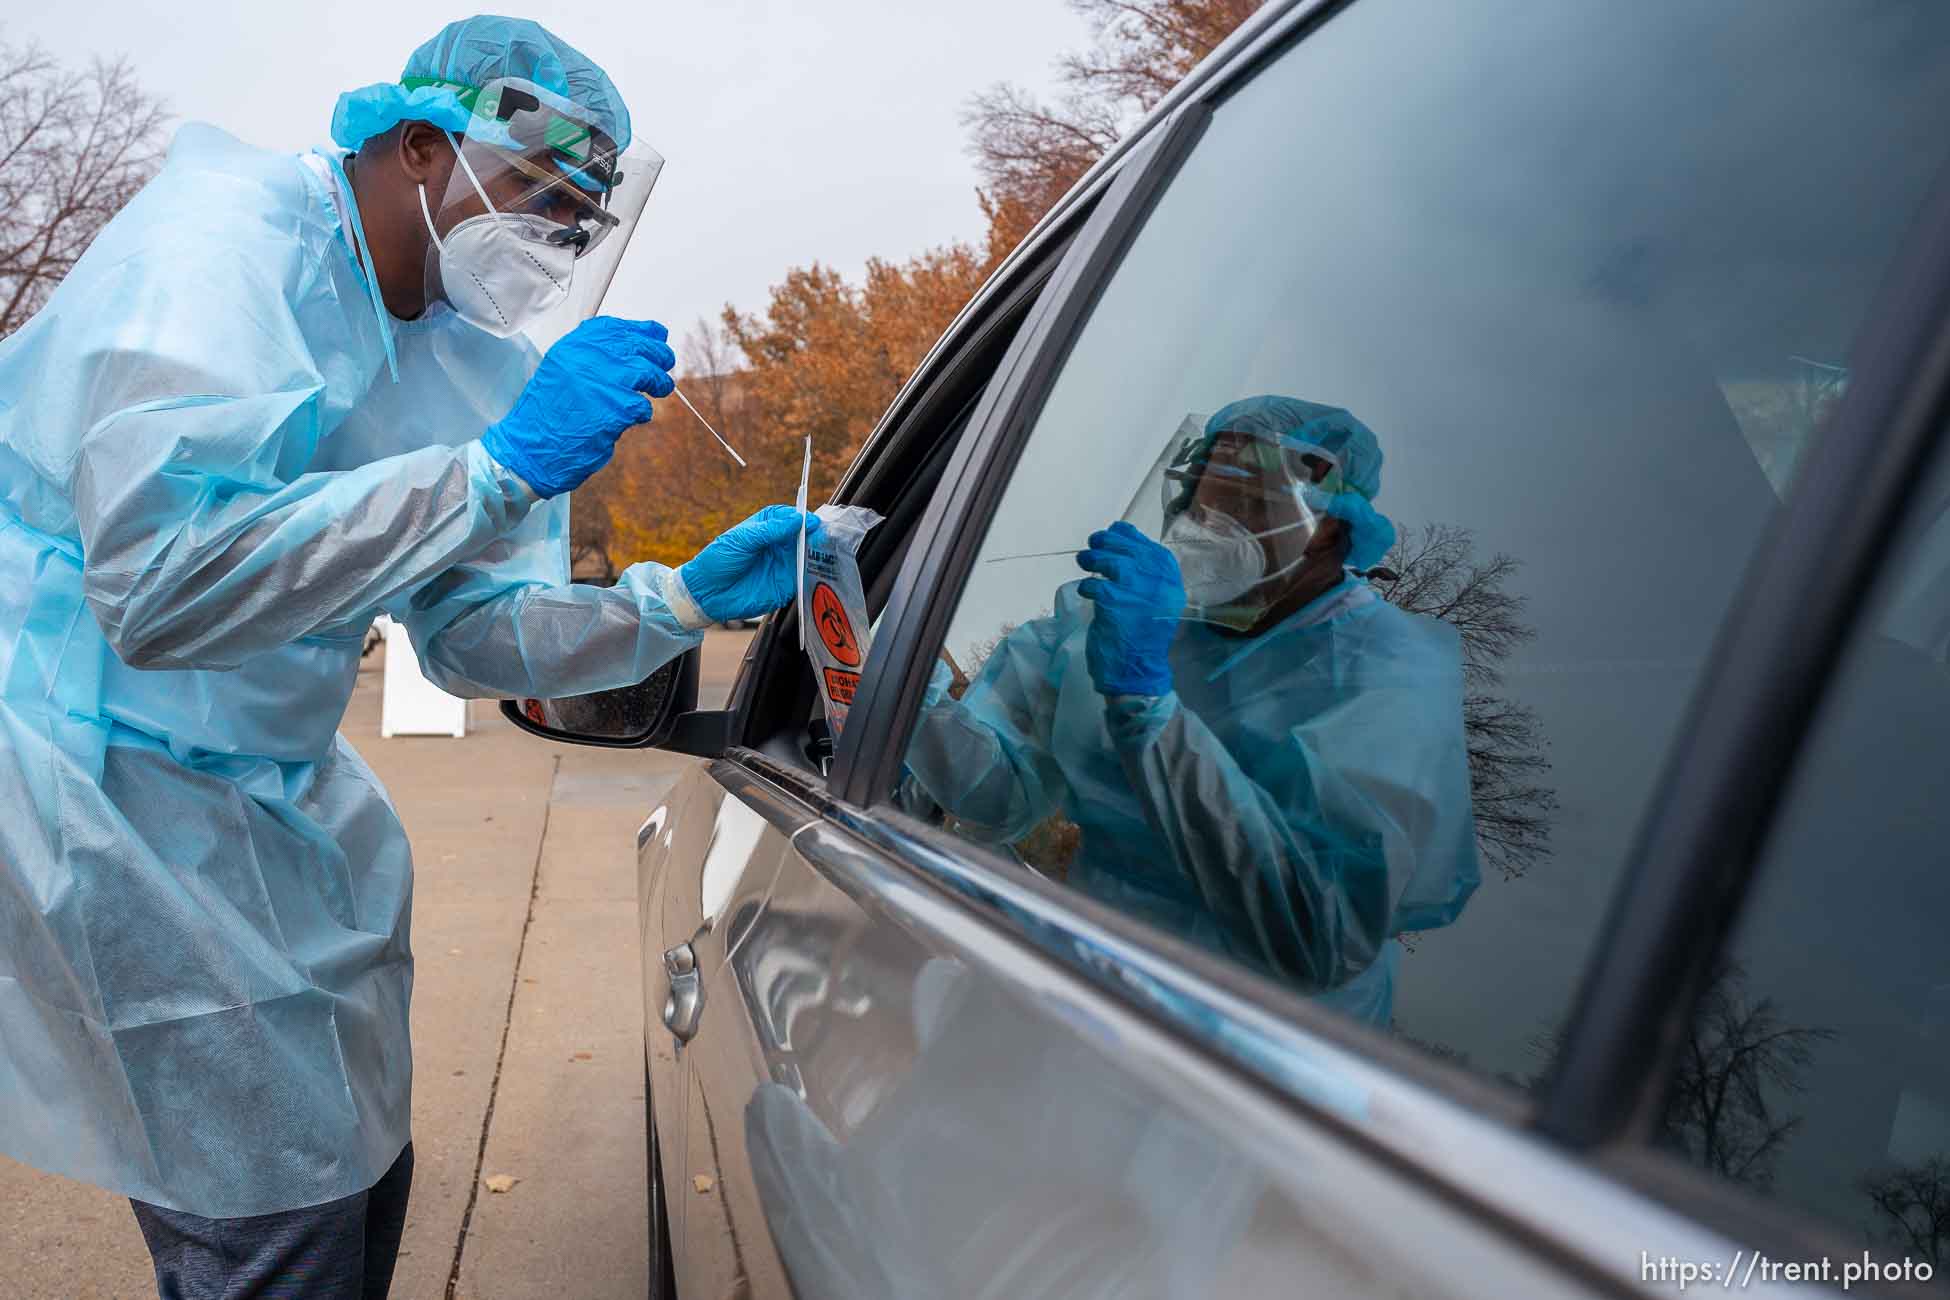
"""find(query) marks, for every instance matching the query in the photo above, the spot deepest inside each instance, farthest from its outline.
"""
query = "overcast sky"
(791, 132)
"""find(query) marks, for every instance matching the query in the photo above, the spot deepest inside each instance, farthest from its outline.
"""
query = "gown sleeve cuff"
(678, 597)
(512, 485)
(1136, 720)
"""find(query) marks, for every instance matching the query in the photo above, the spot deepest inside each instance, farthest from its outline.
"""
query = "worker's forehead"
(1272, 437)
(1239, 438)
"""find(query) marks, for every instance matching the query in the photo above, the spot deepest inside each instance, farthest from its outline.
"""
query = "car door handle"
(685, 1005)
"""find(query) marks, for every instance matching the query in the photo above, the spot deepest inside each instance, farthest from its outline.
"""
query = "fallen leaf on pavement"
(500, 1182)
(704, 1182)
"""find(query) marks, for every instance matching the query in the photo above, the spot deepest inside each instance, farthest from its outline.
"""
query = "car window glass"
(1424, 432)
(1817, 1069)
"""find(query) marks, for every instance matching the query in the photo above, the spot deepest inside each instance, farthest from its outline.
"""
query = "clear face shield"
(536, 215)
(1239, 511)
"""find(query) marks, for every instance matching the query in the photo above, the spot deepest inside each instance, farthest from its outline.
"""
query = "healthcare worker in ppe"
(278, 395)
(1261, 753)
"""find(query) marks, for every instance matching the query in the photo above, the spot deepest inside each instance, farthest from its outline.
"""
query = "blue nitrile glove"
(1139, 598)
(751, 568)
(588, 389)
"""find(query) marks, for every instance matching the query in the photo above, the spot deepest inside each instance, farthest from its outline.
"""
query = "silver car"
(1645, 306)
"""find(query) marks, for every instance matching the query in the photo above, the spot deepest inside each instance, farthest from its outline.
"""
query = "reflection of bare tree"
(1915, 1199)
(1735, 1054)
(1438, 575)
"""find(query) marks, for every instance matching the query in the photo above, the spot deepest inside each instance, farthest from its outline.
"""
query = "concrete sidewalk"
(527, 1028)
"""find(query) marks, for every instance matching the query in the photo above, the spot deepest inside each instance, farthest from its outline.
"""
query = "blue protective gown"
(1299, 798)
(209, 484)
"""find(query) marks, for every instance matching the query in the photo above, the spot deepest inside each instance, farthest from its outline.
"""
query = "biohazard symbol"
(835, 629)
(840, 686)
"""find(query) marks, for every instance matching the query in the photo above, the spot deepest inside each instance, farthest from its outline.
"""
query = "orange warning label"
(841, 685)
(835, 629)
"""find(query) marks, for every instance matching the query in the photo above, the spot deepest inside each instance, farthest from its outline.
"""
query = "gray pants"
(341, 1250)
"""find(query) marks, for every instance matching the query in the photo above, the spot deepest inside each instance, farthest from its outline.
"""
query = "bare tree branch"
(1028, 153)
(1142, 48)
(75, 146)
(711, 357)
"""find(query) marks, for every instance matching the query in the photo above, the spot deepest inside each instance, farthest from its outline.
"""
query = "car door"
(703, 859)
(1595, 331)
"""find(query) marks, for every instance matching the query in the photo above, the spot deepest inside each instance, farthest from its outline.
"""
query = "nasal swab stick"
(707, 426)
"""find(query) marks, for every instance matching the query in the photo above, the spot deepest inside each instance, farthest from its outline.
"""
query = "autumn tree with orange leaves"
(825, 359)
(671, 488)
(1029, 153)
(826, 356)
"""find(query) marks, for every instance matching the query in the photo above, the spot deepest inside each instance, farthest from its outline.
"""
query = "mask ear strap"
(429, 220)
(467, 167)
(1311, 523)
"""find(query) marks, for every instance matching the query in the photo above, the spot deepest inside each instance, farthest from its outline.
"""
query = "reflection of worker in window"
(1260, 753)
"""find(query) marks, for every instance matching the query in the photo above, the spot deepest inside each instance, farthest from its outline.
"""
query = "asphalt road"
(527, 1027)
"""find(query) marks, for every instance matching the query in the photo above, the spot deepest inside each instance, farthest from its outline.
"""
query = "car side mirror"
(659, 712)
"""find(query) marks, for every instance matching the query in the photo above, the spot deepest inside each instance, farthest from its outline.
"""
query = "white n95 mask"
(500, 271)
(1222, 562)
(1219, 559)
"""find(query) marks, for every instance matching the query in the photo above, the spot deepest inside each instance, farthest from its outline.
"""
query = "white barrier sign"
(409, 704)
